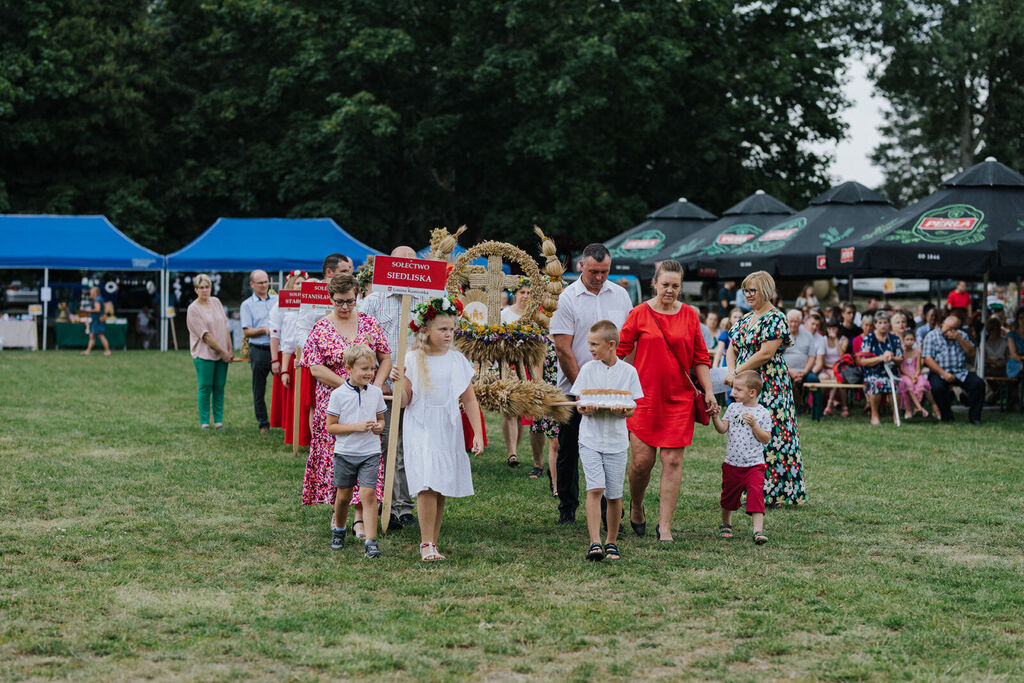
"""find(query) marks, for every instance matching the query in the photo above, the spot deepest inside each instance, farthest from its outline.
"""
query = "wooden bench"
(818, 390)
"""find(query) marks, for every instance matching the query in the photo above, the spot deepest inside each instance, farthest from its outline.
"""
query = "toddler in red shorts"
(749, 427)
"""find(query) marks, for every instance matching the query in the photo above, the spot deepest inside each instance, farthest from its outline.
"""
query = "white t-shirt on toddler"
(742, 449)
(350, 405)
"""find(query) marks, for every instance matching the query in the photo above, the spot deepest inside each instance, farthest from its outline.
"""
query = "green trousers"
(212, 376)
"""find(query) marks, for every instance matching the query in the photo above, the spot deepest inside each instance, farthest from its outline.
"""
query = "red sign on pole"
(417, 277)
(314, 295)
(289, 298)
(822, 263)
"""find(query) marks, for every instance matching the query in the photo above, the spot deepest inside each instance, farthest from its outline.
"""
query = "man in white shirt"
(806, 357)
(256, 326)
(590, 299)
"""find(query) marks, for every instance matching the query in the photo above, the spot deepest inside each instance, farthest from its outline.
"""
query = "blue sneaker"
(337, 538)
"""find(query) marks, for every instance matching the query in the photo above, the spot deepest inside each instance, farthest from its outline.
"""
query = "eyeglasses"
(340, 303)
(750, 292)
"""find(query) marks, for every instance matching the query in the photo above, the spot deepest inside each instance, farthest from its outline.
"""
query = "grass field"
(133, 545)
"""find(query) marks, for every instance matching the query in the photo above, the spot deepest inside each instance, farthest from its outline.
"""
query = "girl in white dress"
(437, 378)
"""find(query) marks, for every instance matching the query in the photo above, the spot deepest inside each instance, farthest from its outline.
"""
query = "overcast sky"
(864, 118)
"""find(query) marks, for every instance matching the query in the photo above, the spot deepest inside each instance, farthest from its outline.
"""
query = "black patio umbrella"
(795, 248)
(953, 232)
(1011, 251)
(667, 225)
(738, 224)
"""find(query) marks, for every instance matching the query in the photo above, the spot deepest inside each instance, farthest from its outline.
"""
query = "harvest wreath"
(509, 343)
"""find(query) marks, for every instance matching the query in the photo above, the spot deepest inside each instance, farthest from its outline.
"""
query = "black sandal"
(611, 551)
(641, 528)
(512, 460)
(657, 531)
(358, 521)
(536, 472)
(595, 554)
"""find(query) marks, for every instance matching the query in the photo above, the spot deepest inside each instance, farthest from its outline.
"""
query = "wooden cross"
(493, 283)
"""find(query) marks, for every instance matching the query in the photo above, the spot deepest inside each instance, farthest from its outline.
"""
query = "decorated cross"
(493, 283)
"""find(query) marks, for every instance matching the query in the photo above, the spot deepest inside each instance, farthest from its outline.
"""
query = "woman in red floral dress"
(322, 354)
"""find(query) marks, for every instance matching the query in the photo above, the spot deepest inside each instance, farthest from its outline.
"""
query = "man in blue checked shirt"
(255, 313)
(946, 351)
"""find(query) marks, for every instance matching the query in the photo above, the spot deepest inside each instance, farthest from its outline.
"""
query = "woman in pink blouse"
(322, 354)
(210, 344)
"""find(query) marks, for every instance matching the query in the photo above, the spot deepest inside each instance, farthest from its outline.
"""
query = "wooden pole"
(297, 403)
(174, 333)
(396, 413)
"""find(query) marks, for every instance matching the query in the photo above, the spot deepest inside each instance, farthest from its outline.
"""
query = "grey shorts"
(350, 470)
(604, 471)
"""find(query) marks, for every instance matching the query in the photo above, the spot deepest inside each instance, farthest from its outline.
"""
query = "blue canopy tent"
(459, 251)
(239, 244)
(70, 242)
(281, 244)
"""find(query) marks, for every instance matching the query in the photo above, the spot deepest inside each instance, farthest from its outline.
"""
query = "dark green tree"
(952, 74)
(393, 116)
(74, 133)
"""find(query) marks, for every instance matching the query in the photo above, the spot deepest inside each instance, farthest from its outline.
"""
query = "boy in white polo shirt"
(603, 436)
(355, 416)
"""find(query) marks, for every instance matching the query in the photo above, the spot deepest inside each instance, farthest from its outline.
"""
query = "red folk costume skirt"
(308, 390)
(277, 399)
(467, 429)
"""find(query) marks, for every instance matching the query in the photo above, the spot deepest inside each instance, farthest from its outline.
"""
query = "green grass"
(132, 545)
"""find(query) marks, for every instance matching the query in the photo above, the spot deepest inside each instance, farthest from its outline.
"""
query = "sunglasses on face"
(750, 292)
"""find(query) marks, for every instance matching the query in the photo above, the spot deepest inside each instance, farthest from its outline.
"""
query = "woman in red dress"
(663, 335)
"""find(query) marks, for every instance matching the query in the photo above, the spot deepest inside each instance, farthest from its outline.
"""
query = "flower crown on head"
(298, 272)
(425, 312)
(523, 282)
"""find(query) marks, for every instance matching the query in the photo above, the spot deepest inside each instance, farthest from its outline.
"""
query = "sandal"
(536, 472)
(725, 531)
(845, 412)
(512, 460)
(641, 528)
(657, 532)
(611, 551)
(595, 553)
(760, 538)
(358, 534)
(431, 554)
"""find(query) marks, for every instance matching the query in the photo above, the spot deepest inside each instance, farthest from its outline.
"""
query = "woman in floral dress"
(322, 354)
(758, 340)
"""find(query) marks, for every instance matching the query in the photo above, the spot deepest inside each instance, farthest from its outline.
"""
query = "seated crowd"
(924, 358)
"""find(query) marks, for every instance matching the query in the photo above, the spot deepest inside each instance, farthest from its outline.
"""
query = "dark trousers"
(941, 390)
(567, 465)
(259, 361)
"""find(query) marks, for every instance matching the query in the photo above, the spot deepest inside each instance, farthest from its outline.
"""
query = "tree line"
(396, 116)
